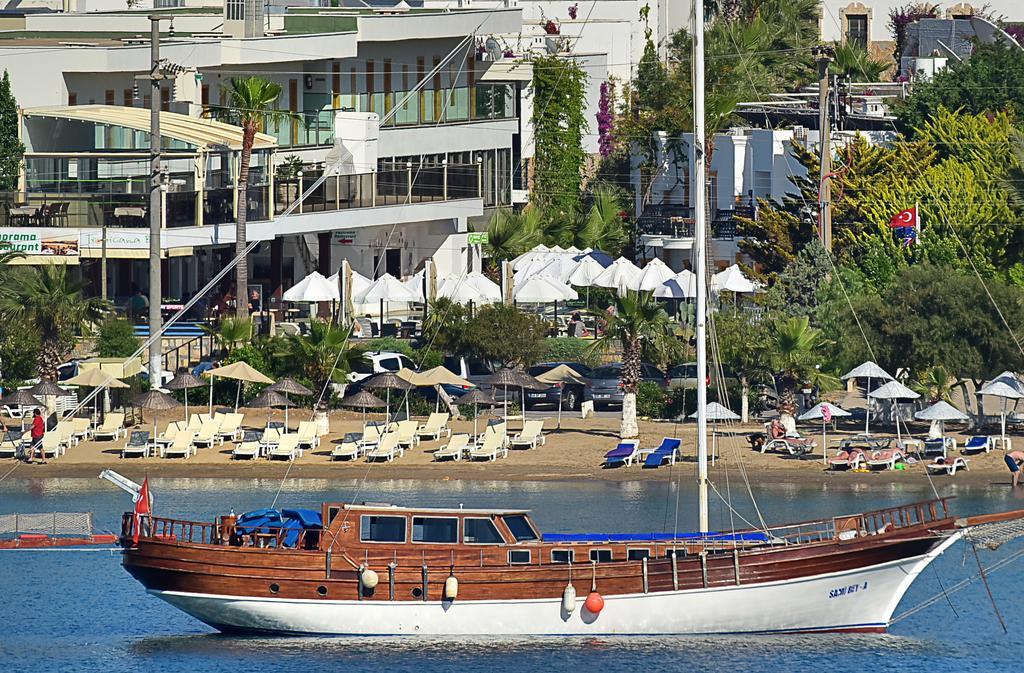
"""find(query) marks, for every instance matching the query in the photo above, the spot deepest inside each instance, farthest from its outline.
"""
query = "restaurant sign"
(32, 242)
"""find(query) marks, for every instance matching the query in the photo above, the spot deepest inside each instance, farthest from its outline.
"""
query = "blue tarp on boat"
(294, 521)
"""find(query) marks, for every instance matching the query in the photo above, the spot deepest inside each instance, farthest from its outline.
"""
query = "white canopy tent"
(733, 280)
(653, 275)
(683, 285)
(1009, 387)
(621, 275)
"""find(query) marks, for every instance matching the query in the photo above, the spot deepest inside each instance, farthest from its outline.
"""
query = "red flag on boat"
(143, 506)
(904, 218)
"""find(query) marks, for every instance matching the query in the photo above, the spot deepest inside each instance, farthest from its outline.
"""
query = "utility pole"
(823, 55)
(156, 183)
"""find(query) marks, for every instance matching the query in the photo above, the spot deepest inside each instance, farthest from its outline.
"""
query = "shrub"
(650, 400)
(570, 349)
(116, 339)
(19, 350)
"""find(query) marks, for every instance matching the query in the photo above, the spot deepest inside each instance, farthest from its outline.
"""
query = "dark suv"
(570, 394)
(606, 382)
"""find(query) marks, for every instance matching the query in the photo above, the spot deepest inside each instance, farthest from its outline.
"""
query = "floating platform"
(51, 529)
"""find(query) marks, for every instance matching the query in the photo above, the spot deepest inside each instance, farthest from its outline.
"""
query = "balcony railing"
(388, 187)
(676, 221)
(427, 107)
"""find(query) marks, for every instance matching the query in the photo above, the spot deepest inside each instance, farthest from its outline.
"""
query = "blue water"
(79, 611)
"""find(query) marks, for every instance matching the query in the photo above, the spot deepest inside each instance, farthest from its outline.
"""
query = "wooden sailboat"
(371, 569)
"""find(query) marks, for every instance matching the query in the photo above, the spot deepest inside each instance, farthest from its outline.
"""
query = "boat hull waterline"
(858, 600)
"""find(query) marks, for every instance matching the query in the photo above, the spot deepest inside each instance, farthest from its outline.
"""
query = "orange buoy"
(594, 603)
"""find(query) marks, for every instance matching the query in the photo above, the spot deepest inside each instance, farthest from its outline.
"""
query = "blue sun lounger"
(623, 454)
(668, 450)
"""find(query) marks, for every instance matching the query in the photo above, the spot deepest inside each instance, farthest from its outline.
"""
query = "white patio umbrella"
(561, 267)
(938, 414)
(415, 282)
(313, 288)
(386, 289)
(715, 412)
(894, 390)
(1008, 387)
(733, 280)
(621, 275)
(487, 287)
(826, 412)
(867, 370)
(541, 290)
(537, 267)
(461, 291)
(683, 285)
(587, 270)
(654, 274)
(359, 282)
(536, 252)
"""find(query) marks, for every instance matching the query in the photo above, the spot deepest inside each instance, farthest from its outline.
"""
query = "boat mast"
(698, 180)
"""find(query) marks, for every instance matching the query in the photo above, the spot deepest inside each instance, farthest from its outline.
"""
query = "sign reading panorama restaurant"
(21, 240)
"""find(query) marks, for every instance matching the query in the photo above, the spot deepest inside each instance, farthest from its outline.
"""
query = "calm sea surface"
(79, 611)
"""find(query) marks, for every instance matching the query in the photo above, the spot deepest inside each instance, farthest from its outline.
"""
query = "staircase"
(185, 344)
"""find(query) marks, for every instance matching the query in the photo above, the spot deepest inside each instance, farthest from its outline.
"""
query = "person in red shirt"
(37, 432)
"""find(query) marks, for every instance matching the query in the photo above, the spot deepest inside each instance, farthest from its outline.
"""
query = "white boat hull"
(855, 600)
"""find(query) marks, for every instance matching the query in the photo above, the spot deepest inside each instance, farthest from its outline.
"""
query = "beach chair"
(51, 446)
(181, 446)
(625, 453)
(81, 428)
(938, 447)
(885, 459)
(63, 434)
(794, 446)
(166, 437)
(307, 434)
(195, 422)
(454, 449)
(977, 444)
(287, 447)
(669, 450)
(249, 447)
(407, 437)
(348, 448)
(230, 426)
(137, 444)
(852, 458)
(497, 426)
(111, 428)
(530, 436)
(372, 432)
(269, 439)
(208, 434)
(10, 444)
(386, 448)
(435, 425)
(492, 446)
(944, 465)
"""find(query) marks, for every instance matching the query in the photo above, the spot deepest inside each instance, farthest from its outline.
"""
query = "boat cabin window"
(435, 529)
(519, 556)
(480, 531)
(382, 528)
(521, 528)
(601, 555)
(561, 555)
(637, 554)
(331, 513)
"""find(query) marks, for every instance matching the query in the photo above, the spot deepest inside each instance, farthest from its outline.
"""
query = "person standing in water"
(1014, 461)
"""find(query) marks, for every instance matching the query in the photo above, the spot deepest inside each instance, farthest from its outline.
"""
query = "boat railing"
(218, 533)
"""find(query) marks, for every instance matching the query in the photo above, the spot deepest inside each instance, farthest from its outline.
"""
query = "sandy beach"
(574, 452)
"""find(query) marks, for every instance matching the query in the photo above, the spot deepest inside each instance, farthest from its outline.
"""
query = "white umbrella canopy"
(733, 280)
(561, 267)
(537, 252)
(359, 282)
(314, 287)
(586, 272)
(541, 290)
(1008, 387)
(941, 411)
(717, 412)
(387, 288)
(654, 274)
(818, 412)
(538, 266)
(622, 275)
(683, 285)
(893, 390)
(487, 287)
(415, 282)
(867, 370)
(461, 291)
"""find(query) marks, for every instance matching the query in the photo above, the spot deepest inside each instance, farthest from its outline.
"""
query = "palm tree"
(252, 99)
(233, 332)
(322, 356)
(603, 228)
(638, 322)
(741, 348)
(935, 384)
(857, 64)
(52, 303)
(511, 232)
(794, 352)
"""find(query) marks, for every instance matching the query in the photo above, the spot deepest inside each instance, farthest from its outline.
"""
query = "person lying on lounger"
(1014, 461)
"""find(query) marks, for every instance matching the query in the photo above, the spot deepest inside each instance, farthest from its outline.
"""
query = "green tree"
(742, 348)
(638, 321)
(319, 356)
(795, 291)
(252, 99)
(988, 81)
(11, 148)
(603, 227)
(444, 328)
(559, 99)
(506, 335)
(116, 339)
(232, 333)
(857, 64)
(795, 352)
(513, 232)
(52, 303)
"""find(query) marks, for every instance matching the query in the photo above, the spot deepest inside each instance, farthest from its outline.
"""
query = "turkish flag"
(904, 218)
(143, 507)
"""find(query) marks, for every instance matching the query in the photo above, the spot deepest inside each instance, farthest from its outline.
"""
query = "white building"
(455, 141)
(747, 164)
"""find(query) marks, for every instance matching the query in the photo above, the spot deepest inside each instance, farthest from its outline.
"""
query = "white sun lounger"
(435, 426)
(208, 434)
(530, 436)
(454, 449)
(249, 447)
(348, 449)
(81, 428)
(407, 433)
(386, 448)
(490, 449)
(112, 427)
(947, 465)
(287, 447)
(181, 446)
(166, 437)
(307, 434)
(137, 444)
(230, 426)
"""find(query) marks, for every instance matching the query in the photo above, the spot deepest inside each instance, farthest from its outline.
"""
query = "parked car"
(606, 382)
(571, 395)
(378, 362)
(685, 376)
